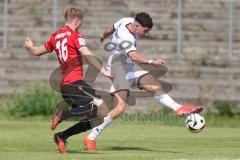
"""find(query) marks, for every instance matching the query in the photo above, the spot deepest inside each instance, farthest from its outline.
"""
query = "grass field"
(32, 140)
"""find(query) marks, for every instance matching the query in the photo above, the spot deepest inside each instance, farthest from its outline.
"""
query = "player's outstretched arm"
(139, 58)
(34, 50)
(93, 60)
(109, 31)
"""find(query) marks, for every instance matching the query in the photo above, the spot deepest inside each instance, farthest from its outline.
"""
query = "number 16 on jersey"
(62, 50)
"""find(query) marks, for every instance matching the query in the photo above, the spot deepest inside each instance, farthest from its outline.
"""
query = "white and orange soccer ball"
(195, 123)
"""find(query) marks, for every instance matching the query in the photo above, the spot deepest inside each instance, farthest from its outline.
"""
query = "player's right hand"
(158, 62)
(28, 43)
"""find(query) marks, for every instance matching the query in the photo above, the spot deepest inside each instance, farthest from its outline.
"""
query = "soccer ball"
(195, 123)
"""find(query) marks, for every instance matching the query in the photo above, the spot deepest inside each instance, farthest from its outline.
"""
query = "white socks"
(97, 130)
(167, 101)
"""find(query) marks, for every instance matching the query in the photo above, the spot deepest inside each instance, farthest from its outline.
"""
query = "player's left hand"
(158, 62)
(108, 74)
(101, 39)
(28, 43)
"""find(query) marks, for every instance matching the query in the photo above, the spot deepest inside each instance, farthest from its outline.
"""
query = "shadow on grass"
(117, 148)
(82, 152)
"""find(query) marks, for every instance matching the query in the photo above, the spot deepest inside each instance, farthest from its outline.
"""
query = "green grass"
(32, 140)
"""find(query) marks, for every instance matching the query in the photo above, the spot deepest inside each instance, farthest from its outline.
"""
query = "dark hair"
(144, 19)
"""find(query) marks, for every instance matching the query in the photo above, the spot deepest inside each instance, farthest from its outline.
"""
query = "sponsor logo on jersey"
(63, 35)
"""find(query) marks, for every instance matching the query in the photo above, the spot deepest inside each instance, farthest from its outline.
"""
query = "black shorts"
(79, 96)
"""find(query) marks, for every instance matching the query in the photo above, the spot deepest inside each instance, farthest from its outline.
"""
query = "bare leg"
(153, 85)
(158, 89)
(120, 103)
(120, 99)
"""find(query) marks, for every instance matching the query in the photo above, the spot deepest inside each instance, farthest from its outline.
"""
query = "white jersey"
(123, 41)
(119, 63)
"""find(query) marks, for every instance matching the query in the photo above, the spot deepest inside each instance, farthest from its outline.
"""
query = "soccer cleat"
(89, 144)
(56, 119)
(60, 143)
(186, 110)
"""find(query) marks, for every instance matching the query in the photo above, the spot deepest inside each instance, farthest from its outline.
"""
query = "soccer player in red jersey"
(70, 48)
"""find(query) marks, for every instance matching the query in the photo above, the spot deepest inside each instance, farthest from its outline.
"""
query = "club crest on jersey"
(81, 41)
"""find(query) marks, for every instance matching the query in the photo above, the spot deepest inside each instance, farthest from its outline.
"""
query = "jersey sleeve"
(117, 24)
(49, 45)
(79, 41)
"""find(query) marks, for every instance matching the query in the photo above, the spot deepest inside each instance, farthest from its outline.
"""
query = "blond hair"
(72, 13)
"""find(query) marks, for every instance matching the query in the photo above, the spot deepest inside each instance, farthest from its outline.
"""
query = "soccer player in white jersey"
(121, 62)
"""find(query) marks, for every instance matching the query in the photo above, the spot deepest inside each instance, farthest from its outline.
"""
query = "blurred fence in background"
(228, 10)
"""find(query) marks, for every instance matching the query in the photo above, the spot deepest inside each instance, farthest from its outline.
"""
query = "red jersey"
(66, 43)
